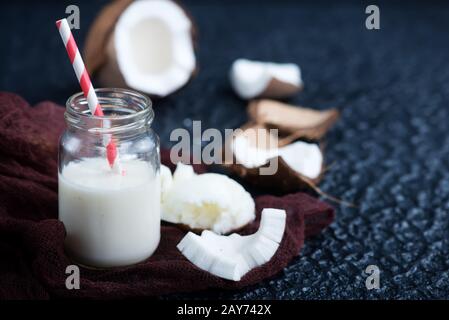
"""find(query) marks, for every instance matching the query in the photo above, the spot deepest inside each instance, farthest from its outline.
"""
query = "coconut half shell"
(293, 123)
(284, 181)
(279, 89)
(146, 45)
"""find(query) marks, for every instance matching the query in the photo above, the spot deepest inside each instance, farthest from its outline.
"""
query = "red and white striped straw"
(84, 80)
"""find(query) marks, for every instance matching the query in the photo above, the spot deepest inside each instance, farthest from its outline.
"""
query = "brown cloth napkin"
(32, 258)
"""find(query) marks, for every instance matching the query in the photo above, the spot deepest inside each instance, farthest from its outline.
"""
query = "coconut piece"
(299, 173)
(206, 201)
(231, 257)
(146, 45)
(305, 158)
(284, 180)
(183, 172)
(166, 179)
(251, 79)
(293, 121)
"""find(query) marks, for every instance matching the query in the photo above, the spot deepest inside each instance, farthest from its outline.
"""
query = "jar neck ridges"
(126, 112)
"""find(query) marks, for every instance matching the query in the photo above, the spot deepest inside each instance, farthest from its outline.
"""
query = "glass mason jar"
(111, 217)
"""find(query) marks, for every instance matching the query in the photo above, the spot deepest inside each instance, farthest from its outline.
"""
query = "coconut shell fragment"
(146, 45)
(293, 122)
(257, 79)
(284, 180)
(279, 89)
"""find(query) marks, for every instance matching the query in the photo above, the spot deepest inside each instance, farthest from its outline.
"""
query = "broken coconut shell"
(101, 48)
(293, 122)
(284, 180)
(257, 79)
(279, 89)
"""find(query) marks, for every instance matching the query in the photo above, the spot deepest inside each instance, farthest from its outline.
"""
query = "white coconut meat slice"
(305, 158)
(153, 47)
(254, 79)
(206, 201)
(231, 257)
(204, 255)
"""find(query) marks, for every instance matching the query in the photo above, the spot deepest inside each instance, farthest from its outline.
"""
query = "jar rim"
(80, 97)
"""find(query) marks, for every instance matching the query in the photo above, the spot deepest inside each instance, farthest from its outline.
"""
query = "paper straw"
(86, 85)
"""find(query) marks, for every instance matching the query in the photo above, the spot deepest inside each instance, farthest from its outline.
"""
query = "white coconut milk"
(110, 219)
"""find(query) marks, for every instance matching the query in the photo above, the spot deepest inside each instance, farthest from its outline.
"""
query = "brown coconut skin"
(99, 33)
(279, 89)
(285, 180)
(99, 49)
(109, 74)
(269, 113)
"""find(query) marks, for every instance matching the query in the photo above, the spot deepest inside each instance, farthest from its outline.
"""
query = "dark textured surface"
(390, 149)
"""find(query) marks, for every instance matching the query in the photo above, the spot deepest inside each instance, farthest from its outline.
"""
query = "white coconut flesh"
(250, 79)
(231, 257)
(166, 180)
(205, 201)
(305, 158)
(153, 45)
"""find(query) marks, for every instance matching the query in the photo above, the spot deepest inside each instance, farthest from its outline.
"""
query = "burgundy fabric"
(32, 258)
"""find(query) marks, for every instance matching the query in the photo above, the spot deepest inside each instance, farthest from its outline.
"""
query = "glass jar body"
(111, 217)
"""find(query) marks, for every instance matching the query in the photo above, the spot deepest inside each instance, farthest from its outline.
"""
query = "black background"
(390, 150)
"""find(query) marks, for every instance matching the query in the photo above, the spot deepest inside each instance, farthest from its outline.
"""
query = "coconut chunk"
(305, 158)
(154, 46)
(231, 257)
(149, 48)
(166, 179)
(251, 79)
(183, 172)
(194, 248)
(295, 121)
(206, 201)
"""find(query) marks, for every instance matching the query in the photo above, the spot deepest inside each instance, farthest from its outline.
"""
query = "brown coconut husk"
(286, 179)
(283, 181)
(293, 122)
(99, 49)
